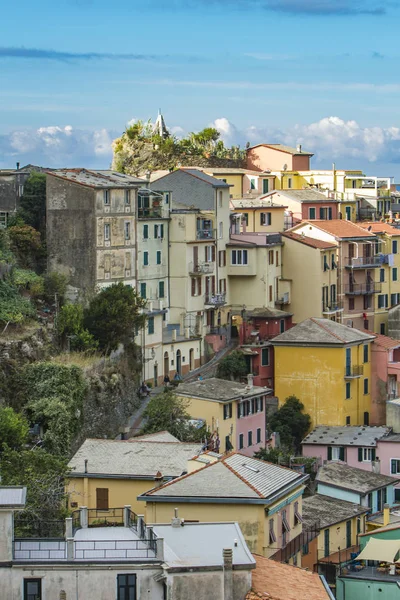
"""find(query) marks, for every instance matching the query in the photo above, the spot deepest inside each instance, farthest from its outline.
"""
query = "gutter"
(327, 588)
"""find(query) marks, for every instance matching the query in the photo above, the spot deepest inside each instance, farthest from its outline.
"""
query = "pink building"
(388, 451)
(278, 157)
(385, 376)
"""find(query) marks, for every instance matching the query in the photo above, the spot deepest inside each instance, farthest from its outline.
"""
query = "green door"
(326, 542)
(348, 534)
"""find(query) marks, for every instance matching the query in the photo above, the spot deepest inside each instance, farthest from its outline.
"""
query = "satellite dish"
(285, 167)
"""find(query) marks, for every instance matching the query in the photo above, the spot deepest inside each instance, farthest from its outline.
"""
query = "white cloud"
(331, 139)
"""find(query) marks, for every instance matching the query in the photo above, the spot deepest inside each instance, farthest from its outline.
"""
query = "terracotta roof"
(378, 227)
(340, 228)
(384, 340)
(277, 581)
(308, 241)
(283, 148)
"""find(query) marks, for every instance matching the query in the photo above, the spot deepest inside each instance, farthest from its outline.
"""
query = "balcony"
(295, 545)
(363, 262)
(358, 289)
(215, 299)
(201, 268)
(206, 234)
(353, 371)
(284, 299)
(150, 212)
(332, 309)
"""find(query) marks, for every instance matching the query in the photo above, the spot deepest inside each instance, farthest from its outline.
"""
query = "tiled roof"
(321, 331)
(133, 458)
(283, 148)
(97, 179)
(12, 496)
(327, 510)
(378, 227)
(272, 580)
(309, 195)
(235, 476)
(308, 241)
(345, 436)
(384, 341)
(219, 389)
(258, 202)
(350, 478)
(206, 178)
(340, 228)
(160, 436)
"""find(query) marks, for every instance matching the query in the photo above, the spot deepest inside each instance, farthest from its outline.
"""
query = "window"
(32, 589)
(158, 231)
(381, 301)
(348, 390)
(285, 523)
(270, 293)
(220, 198)
(221, 230)
(107, 230)
(366, 454)
(394, 274)
(394, 247)
(222, 258)
(365, 386)
(166, 197)
(145, 232)
(311, 213)
(326, 542)
(326, 264)
(3, 220)
(305, 550)
(351, 304)
(150, 325)
(250, 438)
(381, 275)
(265, 357)
(270, 257)
(20, 190)
(395, 466)
(365, 353)
(239, 257)
(209, 253)
(272, 536)
(106, 197)
(277, 258)
(143, 290)
(228, 411)
(282, 326)
(394, 298)
(161, 290)
(347, 420)
(241, 441)
(348, 534)
(333, 262)
(258, 439)
(158, 257)
(382, 328)
(265, 218)
(127, 197)
(222, 286)
(259, 404)
(127, 230)
(102, 499)
(145, 259)
(126, 587)
(289, 183)
(252, 183)
(336, 453)
(265, 186)
(297, 516)
(246, 218)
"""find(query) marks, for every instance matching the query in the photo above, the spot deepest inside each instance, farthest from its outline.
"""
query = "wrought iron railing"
(27, 528)
(215, 299)
(353, 371)
(363, 261)
(363, 288)
(112, 517)
(206, 234)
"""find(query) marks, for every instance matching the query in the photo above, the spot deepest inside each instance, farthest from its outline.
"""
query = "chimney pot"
(86, 465)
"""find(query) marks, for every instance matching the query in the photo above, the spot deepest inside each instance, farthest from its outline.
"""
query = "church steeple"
(159, 127)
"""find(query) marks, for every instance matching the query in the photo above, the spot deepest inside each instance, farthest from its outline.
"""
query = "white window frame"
(209, 253)
(127, 197)
(241, 258)
(335, 452)
(127, 230)
(107, 232)
(265, 219)
(367, 454)
(106, 197)
(397, 466)
(221, 230)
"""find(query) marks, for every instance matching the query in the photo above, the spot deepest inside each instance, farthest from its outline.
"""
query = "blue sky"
(322, 72)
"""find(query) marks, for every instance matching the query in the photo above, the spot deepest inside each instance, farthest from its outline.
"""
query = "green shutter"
(360, 454)
(341, 454)
(373, 452)
(329, 453)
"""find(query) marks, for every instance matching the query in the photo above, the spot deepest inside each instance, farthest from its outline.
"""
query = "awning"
(382, 550)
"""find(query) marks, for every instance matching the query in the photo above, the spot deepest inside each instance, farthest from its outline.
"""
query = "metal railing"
(154, 212)
(215, 299)
(26, 528)
(76, 521)
(284, 299)
(363, 261)
(132, 520)
(294, 545)
(201, 267)
(354, 371)
(112, 517)
(332, 308)
(206, 234)
(357, 289)
(112, 549)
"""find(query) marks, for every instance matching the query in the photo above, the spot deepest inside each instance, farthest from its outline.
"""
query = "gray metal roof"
(207, 178)
(12, 496)
(345, 436)
(160, 436)
(220, 390)
(98, 179)
(303, 195)
(321, 331)
(235, 477)
(133, 458)
(201, 544)
(357, 480)
(327, 510)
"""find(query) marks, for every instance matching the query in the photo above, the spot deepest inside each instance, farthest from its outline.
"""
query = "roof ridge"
(180, 478)
(240, 476)
(313, 319)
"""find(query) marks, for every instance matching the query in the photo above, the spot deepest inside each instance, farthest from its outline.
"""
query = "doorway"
(191, 359)
(166, 364)
(155, 375)
(178, 362)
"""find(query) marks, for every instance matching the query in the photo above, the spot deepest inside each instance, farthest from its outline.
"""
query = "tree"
(232, 367)
(33, 202)
(26, 244)
(113, 315)
(55, 285)
(44, 476)
(71, 330)
(13, 429)
(167, 412)
(291, 423)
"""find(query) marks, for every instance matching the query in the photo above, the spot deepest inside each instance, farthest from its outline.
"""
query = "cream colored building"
(258, 215)
(244, 182)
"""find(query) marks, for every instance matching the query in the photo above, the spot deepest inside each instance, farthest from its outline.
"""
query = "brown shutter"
(213, 284)
(195, 255)
(224, 255)
(102, 498)
(207, 285)
(213, 253)
(199, 286)
(205, 253)
(193, 286)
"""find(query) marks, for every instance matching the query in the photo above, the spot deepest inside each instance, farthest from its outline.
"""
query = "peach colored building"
(278, 157)
(385, 376)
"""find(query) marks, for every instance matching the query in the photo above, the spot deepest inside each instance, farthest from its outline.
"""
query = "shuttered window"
(102, 498)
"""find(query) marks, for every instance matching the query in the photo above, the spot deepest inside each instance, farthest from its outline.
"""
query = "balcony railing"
(331, 309)
(357, 289)
(215, 299)
(363, 262)
(353, 371)
(201, 268)
(151, 212)
(206, 234)
(295, 545)
(283, 299)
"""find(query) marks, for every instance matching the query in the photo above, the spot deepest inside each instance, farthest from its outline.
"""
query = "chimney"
(298, 148)
(86, 465)
(174, 335)
(17, 166)
(386, 515)
(250, 381)
(176, 521)
(227, 555)
(158, 479)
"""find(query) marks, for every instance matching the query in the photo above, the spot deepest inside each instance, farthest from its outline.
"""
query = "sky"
(323, 73)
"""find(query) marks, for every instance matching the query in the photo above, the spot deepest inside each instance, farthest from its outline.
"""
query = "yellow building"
(106, 474)
(234, 411)
(265, 499)
(327, 366)
(387, 247)
(311, 264)
(338, 524)
(259, 215)
(243, 182)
